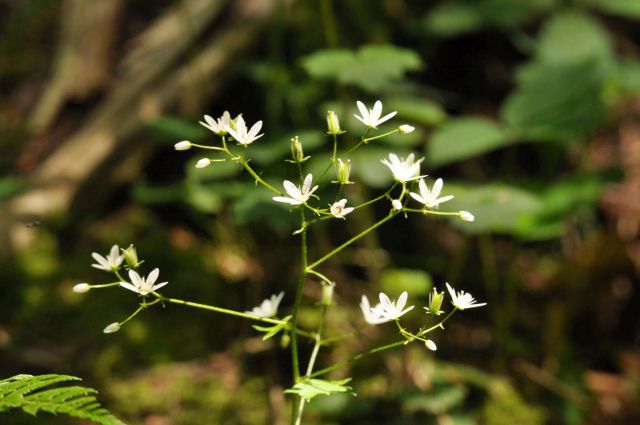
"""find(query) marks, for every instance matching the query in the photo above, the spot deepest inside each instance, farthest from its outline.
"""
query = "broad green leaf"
(415, 282)
(556, 102)
(372, 68)
(416, 110)
(452, 19)
(310, 388)
(628, 77)
(438, 400)
(573, 36)
(624, 8)
(463, 138)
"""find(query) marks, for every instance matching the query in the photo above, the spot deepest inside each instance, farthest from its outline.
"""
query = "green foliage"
(25, 392)
(624, 8)
(372, 68)
(506, 407)
(417, 110)
(310, 388)
(271, 331)
(464, 138)
(415, 282)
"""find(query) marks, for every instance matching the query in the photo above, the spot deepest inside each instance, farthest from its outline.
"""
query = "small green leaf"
(310, 388)
(271, 331)
(463, 138)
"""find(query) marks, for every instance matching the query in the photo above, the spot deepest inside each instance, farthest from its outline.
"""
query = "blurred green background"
(529, 109)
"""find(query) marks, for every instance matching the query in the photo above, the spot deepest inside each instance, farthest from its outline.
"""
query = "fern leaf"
(25, 392)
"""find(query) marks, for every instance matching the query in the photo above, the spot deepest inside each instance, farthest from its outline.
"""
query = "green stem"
(439, 324)
(356, 358)
(215, 148)
(255, 175)
(380, 136)
(105, 285)
(298, 300)
(352, 240)
(135, 313)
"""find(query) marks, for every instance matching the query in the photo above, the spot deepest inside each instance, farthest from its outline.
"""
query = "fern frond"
(24, 392)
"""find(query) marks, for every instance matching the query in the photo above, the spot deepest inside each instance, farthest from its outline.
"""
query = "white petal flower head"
(182, 146)
(466, 216)
(463, 300)
(371, 314)
(404, 169)
(396, 204)
(142, 285)
(431, 345)
(338, 209)
(297, 195)
(109, 263)
(218, 126)
(392, 310)
(243, 135)
(268, 308)
(406, 129)
(430, 197)
(203, 163)
(371, 117)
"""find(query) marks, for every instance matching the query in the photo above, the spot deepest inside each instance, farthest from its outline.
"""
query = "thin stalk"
(255, 175)
(298, 300)
(356, 358)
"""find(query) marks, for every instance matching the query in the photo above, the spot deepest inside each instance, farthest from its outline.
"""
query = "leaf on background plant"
(464, 138)
(624, 8)
(558, 102)
(415, 282)
(628, 77)
(438, 400)
(372, 68)
(367, 169)
(496, 207)
(452, 19)
(310, 388)
(173, 129)
(10, 186)
(271, 331)
(573, 36)
(417, 110)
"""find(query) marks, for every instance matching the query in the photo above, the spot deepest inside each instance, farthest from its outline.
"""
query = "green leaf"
(464, 138)
(415, 282)
(439, 400)
(24, 392)
(624, 8)
(271, 331)
(417, 110)
(310, 388)
(173, 129)
(573, 36)
(628, 77)
(556, 102)
(366, 166)
(10, 186)
(372, 68)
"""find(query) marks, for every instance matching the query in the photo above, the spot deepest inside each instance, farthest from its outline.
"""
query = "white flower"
(109, 263)
(462, 300)
(404, 169)
(241, 134)
(371, 315)
(113, 327)
(268, 308)
(406, 129)
(338, 209)
(143, 285)
(371, 117)
(386, 310)
(297, 195)
(220, 125)
(430, 197)
(466, 216)
(182, 146)
(203, 163)
(431, 345)
(81, 288)
(396, 204)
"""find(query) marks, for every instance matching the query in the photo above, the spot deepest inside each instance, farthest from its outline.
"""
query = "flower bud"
(396, 204)
(114, 327)
(327, 294)
(296, 150)
(466, 216)
(406, 128)
(431, 345)
(435, 302)
(182, 146)
(81, 288)
(131, 256)
(203, 163)
(343, 170)
(285, 340)
(333, 124)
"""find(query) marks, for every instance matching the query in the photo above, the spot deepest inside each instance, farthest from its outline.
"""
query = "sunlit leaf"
(417, 110)
(415, 282)
(310, 388)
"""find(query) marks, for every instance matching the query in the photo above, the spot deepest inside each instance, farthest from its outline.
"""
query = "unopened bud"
(131, 256)
(114, 327)
(435, 302)
(81, 288)
(327, 294)
(396, 204)
(466, 216)
(431, 345)
(284, 340)
(406, 128)
(343, 170)
(182, 146)
(296, 150)
(333, 124)
(203, 163)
